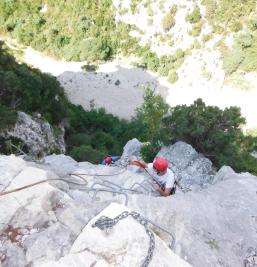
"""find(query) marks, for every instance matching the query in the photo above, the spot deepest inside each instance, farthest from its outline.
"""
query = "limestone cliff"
(50, 224)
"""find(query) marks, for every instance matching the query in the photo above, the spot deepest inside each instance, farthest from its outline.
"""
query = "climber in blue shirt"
(109, 160)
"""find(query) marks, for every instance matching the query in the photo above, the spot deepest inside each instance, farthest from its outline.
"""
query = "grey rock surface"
(38, 135)
(49, 225)
(191, 169)
(126, 245)
(132, 149)
(60, 164)
(213, 227)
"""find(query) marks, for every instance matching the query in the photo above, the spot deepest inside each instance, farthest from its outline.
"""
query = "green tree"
(86, 153)
(150, 116)
(8, 117)
(214, 132)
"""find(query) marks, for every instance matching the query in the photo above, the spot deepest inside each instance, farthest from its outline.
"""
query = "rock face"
(132, 149)
(50, 224)
(41, 222)
(38, 135)
(213, 227)
(192, 170)
(125, 245)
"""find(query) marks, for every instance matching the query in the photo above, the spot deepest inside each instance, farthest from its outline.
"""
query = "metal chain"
(106, 224)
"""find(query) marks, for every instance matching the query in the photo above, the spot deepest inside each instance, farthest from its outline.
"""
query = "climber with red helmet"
(109, 159)
(163, 177)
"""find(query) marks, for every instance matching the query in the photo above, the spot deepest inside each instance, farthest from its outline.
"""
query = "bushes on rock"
(172, 77)
(89, 67)
(243, 54)
(196, 29)
(169, 21)
(195, 16)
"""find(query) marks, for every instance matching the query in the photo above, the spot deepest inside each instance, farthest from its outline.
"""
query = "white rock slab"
(126, 245)
(10, 166)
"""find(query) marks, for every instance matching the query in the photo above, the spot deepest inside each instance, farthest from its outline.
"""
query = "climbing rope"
(96, 174)
(110, 187)
(37, 183)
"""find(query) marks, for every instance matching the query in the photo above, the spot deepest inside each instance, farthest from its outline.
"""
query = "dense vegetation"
(228, 15)
(232, 16)
(81, 30)
(243, 55)
(214, 132)
(74, 30)
(89, 135)
(22, 88)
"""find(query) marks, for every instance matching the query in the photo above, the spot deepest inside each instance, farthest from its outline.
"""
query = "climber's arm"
(140, 164)
(166, 192)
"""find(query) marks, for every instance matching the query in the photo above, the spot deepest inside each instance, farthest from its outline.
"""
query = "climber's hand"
(136, 163)
(156, 187)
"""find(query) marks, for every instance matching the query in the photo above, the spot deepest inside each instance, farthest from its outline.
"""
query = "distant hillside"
(215, 35)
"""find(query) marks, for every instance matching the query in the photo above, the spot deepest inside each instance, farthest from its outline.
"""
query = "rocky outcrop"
(132, 149)
(192, 170)
(38, 135)
(50, 224)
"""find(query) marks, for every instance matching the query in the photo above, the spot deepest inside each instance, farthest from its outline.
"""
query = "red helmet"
(108, 160)
(160, 164)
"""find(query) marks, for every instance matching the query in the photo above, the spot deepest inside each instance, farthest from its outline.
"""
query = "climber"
(163, 177)
(109, 160)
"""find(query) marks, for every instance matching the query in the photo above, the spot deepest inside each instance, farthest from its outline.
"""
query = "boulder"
(38, 135)
(132, 149)
(227, 172)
